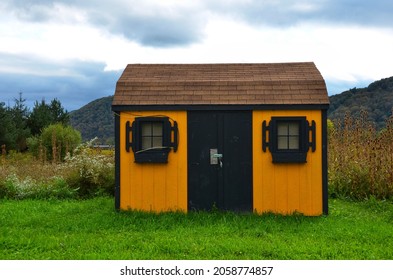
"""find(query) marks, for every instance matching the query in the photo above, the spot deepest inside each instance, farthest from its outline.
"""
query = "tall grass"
(360, 159)
(87, 173)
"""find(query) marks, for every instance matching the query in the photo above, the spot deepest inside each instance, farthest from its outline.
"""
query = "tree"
(20, 130)
(6, 126)
(44, 114)
(58, 113)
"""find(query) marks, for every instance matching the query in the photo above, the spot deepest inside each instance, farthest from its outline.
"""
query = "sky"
(75, 51)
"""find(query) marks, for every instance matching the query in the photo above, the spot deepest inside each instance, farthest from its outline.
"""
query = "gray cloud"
(150, 24)
(29, 10)
(88, 82)
(155, 30)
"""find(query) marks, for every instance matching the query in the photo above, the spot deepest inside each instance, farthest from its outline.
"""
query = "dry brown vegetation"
(360, 159)
(88, 172)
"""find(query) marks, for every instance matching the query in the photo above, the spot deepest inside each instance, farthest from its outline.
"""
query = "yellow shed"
(238, 137)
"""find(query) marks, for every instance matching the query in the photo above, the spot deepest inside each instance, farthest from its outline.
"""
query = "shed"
(237, 137)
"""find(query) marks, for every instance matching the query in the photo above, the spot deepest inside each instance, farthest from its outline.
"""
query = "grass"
(92, 229)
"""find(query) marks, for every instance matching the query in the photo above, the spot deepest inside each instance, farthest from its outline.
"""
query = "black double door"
(219, 160)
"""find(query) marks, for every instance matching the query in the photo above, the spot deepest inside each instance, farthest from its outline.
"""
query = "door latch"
(215, 157)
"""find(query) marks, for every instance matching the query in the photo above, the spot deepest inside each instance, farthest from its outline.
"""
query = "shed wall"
(287, 187)
(154, 186)
(277, 187)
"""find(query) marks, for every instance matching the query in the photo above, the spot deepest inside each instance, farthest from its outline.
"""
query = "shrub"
(92, 171)
(55, 142)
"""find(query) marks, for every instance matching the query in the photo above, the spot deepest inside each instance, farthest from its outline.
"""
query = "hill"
(376, 100)
(96, 118)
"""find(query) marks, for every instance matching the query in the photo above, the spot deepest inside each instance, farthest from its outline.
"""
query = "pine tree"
(6, 127)
(44, 114)
(20, 131)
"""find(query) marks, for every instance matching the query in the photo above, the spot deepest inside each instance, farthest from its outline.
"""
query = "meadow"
(92, 229)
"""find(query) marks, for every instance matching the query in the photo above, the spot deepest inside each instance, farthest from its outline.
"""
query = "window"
(151, 139)
(288, 139)
(151, 135)
(288, 133)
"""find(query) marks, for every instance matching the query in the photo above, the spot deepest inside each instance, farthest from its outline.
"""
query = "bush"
(55, 142)
(92, 171)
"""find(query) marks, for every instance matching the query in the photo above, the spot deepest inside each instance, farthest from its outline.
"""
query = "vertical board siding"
(292, 187)
(278, 188)
(153, 186)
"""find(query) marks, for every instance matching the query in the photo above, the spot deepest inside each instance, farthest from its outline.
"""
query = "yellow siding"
(287, 188)
(149, 186)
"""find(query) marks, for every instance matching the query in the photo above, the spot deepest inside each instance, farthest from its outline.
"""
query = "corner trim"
(117, 160)
(325, 193)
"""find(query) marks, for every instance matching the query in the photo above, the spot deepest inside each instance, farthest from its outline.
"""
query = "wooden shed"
(241, 137)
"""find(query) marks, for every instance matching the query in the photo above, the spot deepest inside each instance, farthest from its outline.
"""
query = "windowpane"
(146, 129)
(146, 143)
(157, 129)
(157, 141)
(282, 128)
(293, 128)
(151, 135)
(282, 143)
(288, 135)
(293, 142)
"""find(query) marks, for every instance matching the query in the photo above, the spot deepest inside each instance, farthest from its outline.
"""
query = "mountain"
(96, 118)
(376, 100)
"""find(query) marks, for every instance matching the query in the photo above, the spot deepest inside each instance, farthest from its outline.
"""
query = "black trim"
(129, 143)
(117, 161)
(325, 193)
(222, 107)
(265, 129)
(312, 129)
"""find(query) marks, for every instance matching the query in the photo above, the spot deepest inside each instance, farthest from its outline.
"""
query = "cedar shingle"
(188, 84)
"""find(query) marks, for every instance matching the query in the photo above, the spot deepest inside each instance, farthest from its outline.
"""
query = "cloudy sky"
(76, 50)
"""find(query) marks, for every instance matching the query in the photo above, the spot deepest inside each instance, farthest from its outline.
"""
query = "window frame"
(289, 155)
(153, 154)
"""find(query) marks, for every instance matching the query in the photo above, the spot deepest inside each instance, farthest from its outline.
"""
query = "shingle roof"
(215, 84)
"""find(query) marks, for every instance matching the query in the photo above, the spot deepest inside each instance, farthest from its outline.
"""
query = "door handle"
(219, 157)
(215, 157)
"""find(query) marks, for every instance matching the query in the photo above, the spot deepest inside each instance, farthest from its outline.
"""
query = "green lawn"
(92, 229)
